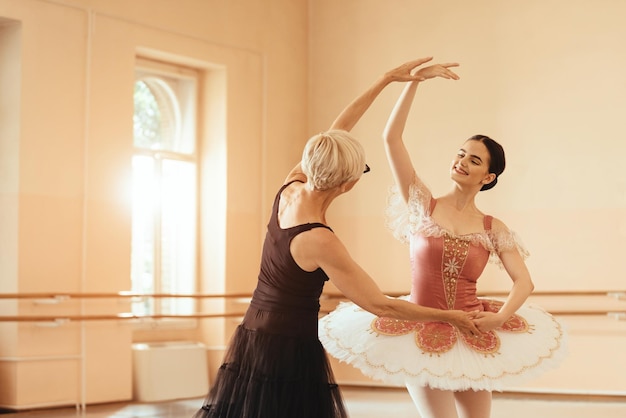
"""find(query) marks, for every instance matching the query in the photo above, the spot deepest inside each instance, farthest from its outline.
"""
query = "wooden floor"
(366, 403)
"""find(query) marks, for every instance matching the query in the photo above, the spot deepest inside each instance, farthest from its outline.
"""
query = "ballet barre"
(42, 298)
(77, 295)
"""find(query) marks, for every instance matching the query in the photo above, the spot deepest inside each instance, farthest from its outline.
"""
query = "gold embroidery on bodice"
(455, 252)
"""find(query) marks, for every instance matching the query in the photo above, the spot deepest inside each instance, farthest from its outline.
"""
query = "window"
(163, 258)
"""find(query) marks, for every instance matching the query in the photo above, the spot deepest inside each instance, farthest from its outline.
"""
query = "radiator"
(169, 370)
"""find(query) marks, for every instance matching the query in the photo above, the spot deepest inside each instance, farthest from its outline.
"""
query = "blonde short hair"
(331, 159)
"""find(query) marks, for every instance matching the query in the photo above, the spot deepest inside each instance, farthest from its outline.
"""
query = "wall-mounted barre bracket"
(53, 300)
(618, 316)
(57, 322)
(617, 295)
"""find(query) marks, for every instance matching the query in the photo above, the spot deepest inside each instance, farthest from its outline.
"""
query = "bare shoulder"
(296, 177)
(497, 225)
(314, 248)
(318, 243)
(320, 237)
(296, 174)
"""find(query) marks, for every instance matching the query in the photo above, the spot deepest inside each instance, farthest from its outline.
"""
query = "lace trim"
(404, 220)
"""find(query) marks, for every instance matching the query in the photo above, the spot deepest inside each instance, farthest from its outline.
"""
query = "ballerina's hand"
(487, 321)
(438, 70)
(405, 72)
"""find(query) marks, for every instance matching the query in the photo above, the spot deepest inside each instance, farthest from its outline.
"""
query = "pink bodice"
(444, 271)
(445, 267)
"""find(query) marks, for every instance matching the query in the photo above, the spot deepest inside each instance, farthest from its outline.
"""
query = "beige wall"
(542, 77)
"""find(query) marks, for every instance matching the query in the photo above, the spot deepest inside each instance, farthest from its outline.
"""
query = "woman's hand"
(464, 321)
(438, 70)
(487, 321)
(355, 110)
(405, 72)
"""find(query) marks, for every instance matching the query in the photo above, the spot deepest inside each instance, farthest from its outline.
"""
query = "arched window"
(163, 258)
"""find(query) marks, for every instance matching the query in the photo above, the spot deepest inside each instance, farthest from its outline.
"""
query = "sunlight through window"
(163, 258)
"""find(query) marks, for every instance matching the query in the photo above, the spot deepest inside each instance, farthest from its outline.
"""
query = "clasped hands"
(476, 322)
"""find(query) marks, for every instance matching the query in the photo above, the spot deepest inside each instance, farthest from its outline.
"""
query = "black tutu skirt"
(273, 376)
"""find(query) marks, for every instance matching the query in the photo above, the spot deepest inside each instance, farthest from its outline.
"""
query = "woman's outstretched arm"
(397, 154)
(352, 113)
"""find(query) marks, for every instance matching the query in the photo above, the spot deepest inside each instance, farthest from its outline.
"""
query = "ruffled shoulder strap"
(503, 240)
(404, 218)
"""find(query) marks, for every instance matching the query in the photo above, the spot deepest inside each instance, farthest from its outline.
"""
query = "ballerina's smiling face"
(470, 166)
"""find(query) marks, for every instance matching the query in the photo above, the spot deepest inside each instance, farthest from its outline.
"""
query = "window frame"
(186, 92)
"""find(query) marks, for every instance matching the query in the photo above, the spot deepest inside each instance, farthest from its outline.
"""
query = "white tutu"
(396, 352)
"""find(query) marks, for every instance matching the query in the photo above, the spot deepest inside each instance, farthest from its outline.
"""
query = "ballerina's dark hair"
(497, 162)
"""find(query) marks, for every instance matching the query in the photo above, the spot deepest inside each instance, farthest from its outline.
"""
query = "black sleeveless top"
(286, 299)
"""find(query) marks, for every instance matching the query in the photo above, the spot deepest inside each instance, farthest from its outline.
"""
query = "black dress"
(275, 366)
